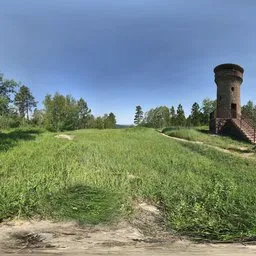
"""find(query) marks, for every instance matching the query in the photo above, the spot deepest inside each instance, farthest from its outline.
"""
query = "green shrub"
(7, 122)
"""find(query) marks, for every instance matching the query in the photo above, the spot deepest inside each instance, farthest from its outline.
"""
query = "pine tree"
(84, 113)
(173, 115)
(7, 90)
(196, 115)
(138, 115)
(25, 101)
(180, 119)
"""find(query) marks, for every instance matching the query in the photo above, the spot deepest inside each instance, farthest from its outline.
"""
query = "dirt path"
(49, 238)
(144, 235)
(244, 155)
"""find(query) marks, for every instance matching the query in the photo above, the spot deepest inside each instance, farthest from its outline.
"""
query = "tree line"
(164, 116)
(18, 107)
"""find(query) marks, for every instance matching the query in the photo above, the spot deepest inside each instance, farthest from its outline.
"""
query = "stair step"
(246, 129)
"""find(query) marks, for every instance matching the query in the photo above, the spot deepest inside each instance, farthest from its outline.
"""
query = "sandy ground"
(65, 136)
(48, 238)
(144, 235)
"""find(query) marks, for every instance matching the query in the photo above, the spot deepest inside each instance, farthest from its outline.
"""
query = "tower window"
(232, 89)
(220, 97)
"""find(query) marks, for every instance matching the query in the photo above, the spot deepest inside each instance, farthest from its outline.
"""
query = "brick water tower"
(228, 119)
(228, 78)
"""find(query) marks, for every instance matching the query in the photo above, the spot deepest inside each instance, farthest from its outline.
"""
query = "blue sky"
(117, 54)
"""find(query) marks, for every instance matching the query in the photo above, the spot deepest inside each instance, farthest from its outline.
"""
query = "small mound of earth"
(65, 136)
(151, 223)
(243, 148)
(149, 208)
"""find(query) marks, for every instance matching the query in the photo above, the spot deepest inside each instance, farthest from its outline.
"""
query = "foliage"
(162, 116)
(208, 106)
(25, 101)
(83, 114)
(38, 117)
(98, 123)
(65, 113)
(138, 115)
(55, 112)
(180, 118)
(172, 116)
(60, 113)
(196, 115)
(9, 121)
(249, 111)
(91, 121)
(7, 90)
(110, 121)
(157, 117)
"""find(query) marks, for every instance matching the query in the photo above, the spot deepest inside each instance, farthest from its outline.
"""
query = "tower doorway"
(233, 110)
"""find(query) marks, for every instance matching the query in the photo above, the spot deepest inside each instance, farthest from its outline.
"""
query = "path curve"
(243, 155)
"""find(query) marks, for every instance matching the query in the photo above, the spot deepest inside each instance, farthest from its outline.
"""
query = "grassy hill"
(202, 134)
(98, 176)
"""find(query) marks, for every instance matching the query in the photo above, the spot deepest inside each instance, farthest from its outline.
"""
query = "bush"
(168, 129)
(7, 122)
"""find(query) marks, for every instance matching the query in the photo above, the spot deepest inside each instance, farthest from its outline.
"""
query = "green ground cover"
(99, 175)
(202, 134)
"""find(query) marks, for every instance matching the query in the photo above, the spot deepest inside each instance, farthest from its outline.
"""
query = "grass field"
(99, 175)
(202, 134)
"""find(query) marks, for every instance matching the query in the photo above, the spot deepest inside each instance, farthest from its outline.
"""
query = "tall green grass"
(202, 134)
(97, 177)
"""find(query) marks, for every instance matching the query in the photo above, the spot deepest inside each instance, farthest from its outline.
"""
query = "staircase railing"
(246, 122)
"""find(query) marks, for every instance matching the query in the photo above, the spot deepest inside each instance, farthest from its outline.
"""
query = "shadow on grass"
(174, 128)
(227, 135)
(211, 153)
(241, 150)
(84, 204)
(204, 150)
(11, 139)
(195, 148)
(203, 131)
